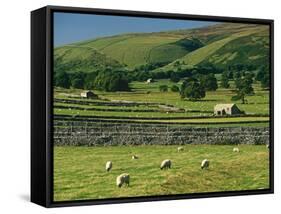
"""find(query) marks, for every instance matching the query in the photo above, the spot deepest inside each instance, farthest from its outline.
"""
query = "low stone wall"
(148, 134)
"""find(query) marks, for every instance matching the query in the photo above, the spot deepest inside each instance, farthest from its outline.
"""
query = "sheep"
(123, 179)
(180, 149)
(267, 146)
(166, 164)
(235, 149)
(108, 166)
(205, 164)
(135, 157)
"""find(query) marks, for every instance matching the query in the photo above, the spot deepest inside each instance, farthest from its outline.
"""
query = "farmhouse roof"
(228, 105)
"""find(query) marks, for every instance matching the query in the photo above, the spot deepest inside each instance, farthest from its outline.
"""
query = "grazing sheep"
(108, 166)
(123, 179)
(205, 164)
(135, 157)
(180, 149)
(267, 146)
(166, 164)
(235, 149)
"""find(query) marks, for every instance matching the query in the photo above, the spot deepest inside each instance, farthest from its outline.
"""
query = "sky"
(74, 27)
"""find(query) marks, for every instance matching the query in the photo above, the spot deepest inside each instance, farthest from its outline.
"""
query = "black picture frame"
(41, 105)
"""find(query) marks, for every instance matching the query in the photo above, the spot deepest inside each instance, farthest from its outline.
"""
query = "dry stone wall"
(102, 134)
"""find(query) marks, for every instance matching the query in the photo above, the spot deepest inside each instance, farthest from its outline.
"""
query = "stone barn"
(226, 109)
(88, 95)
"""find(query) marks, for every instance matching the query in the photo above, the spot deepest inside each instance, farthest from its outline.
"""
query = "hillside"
(74, 58)
(221, 45)
(249, 46)
(253, 50)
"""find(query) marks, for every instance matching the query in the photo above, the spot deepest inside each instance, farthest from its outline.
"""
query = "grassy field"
(79, 172)
(149, 105)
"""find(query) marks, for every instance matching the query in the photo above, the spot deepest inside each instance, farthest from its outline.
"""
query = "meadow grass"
(79, 172)
(257, 103)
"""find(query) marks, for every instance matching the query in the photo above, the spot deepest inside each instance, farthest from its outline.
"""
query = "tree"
(230, 75)
(192, 89)
(175, 88)
(260, 75)
(265, 81)
(243, 88)
(224, 80)
(209, 82)
(237, 75)
(163, 88)
(118, 83)
(263, 77)
(177, 64)
(77, 83)
(174, 77)
(111, 81)
(77, 80)
(62, 79)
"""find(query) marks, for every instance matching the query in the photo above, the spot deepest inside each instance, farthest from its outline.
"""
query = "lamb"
(123, 179)
(205, 164)
(108, 166)
(180, 149)
(235, 149)
(166, 164)
(135, 157)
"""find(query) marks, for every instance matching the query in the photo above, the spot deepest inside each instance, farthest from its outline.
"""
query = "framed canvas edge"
(49, 106)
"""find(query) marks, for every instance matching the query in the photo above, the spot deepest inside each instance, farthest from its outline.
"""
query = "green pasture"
(79, 172)
(148, 97)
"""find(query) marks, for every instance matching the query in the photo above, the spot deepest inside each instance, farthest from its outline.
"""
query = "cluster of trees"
(195, 87)
(107, 80)
(144, 72)
(197, 80)
(262, 76)
(164, 88)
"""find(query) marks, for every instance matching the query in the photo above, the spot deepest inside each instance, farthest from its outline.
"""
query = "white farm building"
(88, 95)
(227, 109)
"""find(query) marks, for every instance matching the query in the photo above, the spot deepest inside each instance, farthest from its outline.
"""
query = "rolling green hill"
(221, 45)
(252, 50)
(85, 59)
(247, 46)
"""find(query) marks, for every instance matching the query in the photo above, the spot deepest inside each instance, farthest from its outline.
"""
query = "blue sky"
(74, 27)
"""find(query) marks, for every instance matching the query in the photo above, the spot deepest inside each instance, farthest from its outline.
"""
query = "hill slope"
(85, 59)
(220, 45)
(246, 47)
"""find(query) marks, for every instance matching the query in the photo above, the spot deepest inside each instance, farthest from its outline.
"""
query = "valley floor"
(79, 172)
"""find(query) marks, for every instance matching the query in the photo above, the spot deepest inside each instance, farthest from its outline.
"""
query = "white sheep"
(235, 149)
(135, 157)
(267, 146)
(123, 179)
(166, 164)
(108, 166)
(180, 149)
(205, 164)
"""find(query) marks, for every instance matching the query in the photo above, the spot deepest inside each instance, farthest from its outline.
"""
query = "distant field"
(79, 172)
(149, 103)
